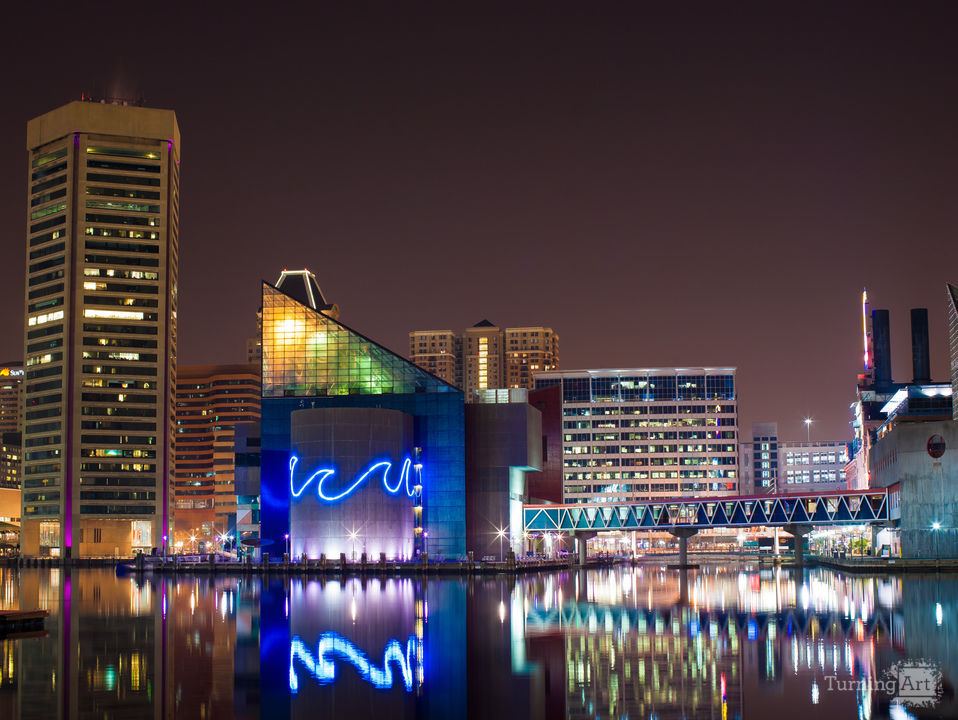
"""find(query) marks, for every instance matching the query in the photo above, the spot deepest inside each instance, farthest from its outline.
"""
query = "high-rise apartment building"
(101, 327)
(485, 357)
(647, 433)
(210, 401)
(527, 351)
(439, 352)
(11, 397)
(482, 359)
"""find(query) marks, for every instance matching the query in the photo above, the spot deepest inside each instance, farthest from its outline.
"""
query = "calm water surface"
(720, 642)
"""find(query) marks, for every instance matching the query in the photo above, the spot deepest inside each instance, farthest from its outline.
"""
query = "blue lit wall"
(353, 483)
(438, 428)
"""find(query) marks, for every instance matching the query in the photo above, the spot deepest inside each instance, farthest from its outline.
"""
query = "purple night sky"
(703, 185)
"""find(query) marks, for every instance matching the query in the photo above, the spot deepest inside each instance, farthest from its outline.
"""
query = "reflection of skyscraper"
(101, 328)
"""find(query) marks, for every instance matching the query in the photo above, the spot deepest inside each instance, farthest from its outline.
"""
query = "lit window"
(45, 318)
(113, 314)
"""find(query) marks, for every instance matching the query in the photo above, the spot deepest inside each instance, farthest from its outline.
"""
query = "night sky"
(694, 185)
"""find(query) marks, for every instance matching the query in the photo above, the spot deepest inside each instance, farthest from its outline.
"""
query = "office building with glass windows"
(646, 433)
(361, 451)
(816, 466)
(100, 329)
(759, 467)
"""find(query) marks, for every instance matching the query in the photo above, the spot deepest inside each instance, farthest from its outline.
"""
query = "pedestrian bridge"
(842, 507)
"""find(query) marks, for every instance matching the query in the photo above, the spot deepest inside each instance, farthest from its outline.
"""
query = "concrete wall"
(929, 488)
(504, 442)
(546, 486)
(350, 440)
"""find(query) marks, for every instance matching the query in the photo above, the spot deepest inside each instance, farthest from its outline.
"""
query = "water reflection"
(647, 642)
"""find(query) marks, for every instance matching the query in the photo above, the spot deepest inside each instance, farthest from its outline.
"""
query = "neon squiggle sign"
(332, 646)
(323, 474)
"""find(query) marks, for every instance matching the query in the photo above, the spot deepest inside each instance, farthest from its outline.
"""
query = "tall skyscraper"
(101, 327)
(210, 400)
(485, 357)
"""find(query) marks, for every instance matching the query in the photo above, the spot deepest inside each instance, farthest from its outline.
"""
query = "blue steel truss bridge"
(831, 508)
(684, 517)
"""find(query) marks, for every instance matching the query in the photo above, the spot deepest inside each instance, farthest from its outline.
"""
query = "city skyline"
(773, 172)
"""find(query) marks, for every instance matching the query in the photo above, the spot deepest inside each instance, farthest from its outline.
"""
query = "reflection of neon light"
(332, 645)
(324, 474)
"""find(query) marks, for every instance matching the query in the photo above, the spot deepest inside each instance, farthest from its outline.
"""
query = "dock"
(18, 621)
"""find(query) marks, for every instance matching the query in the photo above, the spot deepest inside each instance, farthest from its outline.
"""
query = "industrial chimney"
(920, 361)
(881, 342)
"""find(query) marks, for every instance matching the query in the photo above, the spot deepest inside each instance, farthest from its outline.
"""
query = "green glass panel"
(307, 354)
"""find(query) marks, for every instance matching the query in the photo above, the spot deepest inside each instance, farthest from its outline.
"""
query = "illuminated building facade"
(100, 330)
(645, 433)
(438, 352)
(482, 358)
(817, 466)
(11, 397)
(526, 351)
(301, 285)
(312, 470)
(760, 460)
(210, 401)
(10, 456)
(485, 357)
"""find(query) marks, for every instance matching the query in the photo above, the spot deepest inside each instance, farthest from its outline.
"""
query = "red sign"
(936, 446)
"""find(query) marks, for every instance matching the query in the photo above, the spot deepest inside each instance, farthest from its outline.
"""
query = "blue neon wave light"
(332, 646)
(323, 474)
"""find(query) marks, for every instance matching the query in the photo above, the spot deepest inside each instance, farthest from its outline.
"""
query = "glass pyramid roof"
(308, 354)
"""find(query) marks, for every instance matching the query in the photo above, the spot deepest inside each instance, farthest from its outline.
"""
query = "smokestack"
(920, 360)
(881, 344)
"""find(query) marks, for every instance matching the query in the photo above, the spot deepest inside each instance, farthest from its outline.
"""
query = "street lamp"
(352, 538)
(935, 527)
(193, 542)
(808, 430)
(501, 533)
(286, 538)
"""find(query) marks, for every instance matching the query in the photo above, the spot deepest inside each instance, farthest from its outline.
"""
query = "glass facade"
(312, 361)
(637, 434)
(307, 354)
